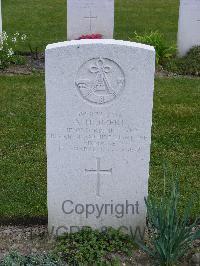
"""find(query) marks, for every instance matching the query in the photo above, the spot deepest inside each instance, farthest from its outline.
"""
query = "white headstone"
(90, 17)
(99, 116)
(189, 25)
(0, 19)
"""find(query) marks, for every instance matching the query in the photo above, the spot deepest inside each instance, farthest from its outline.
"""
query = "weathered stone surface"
(99, 116)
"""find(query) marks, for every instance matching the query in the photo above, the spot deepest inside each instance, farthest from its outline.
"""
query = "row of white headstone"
(99, 100)
(99, 117)
(94, 16)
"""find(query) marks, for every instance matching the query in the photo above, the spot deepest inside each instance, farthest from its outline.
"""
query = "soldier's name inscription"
(91, 132)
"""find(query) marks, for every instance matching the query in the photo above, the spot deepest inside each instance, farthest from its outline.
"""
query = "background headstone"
(90, 17)
(99, 116)
(189, 25)
(0, 19)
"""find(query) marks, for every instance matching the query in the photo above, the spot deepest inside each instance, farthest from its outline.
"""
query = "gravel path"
(25, 240)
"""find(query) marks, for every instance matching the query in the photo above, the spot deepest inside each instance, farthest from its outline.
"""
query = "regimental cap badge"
(100, 80)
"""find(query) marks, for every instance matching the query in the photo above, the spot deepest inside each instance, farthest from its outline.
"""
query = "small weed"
(34, 52)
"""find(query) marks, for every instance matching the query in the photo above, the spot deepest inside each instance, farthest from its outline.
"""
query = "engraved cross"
(90, 17)
(99, 171)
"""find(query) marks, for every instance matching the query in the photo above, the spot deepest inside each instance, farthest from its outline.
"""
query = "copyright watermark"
(97, 210)
(136, 232)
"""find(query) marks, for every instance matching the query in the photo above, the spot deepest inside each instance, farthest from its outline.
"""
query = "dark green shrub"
(156, 39)
(89, 247)
(172, 235)
(187, 65)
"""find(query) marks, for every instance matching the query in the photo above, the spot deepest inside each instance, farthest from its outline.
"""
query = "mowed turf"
(45, 21)
(22, 135)
(175, 141)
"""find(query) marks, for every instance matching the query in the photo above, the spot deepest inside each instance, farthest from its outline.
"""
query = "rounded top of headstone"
(100, 42)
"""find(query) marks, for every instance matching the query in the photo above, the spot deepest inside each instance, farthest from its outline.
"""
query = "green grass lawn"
(176, 126)
(176, 131)
(23, 162)
(44, 21)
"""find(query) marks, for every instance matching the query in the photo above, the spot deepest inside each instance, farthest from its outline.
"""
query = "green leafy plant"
(89, 247)
(8, 49)
(156, 39)
(187, 65)
(16, 259)
(172, 234)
